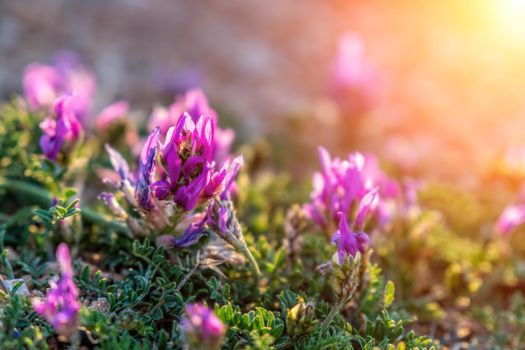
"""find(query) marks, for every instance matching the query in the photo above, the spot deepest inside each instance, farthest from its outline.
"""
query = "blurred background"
(434, 88)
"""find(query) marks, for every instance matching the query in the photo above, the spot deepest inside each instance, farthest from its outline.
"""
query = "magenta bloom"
(343, 184)
(354, 80)
(175, 176)
(111, 114)
(189, 173)
(61, 306)
(43, 84)
(512, 217)
(195, 104)
(348, 241)
(60, 128)
(201, 328)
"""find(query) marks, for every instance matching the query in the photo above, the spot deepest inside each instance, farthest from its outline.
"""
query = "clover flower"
(195, 104)
(201, 328)
(59, 128)
(61, 306)
(512, 217)
(43, 84)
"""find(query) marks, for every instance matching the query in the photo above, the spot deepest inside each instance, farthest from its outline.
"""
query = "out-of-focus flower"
(196, 105)
(512, 217)
(201, 328)
(43, 84)
(349, 242)
(354, 80)
(61, 306)
(59, 128)
(112, 114)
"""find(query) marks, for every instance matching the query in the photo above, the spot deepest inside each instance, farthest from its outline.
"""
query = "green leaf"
(389, 294)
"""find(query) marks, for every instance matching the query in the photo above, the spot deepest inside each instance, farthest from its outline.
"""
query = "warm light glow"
(510, 16)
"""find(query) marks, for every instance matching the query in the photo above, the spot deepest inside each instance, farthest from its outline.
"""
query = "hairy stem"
(335, 310)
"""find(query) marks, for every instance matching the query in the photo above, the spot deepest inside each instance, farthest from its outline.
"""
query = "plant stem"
(188, 275)
(246, 251)
(337, 308)
(7, 265)
(42, 197)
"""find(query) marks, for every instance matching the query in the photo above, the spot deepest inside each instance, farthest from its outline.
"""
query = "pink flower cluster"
(61, 306)
(201, 328)
(62, 127)
(44, 84)
(195, 104)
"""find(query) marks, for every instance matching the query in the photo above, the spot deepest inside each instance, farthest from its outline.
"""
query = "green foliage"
(442, 265)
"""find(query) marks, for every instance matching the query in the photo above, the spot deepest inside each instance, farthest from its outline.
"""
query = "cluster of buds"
(61, 306)
(202, 329)
(61, 129)
(346, 261)
(174, 177)
(343, 184)
(44, 84)
(295, 224)
(195, 104)
(301, 320)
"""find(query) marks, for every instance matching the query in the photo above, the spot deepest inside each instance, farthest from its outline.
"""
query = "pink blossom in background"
(59, 128)
(354, 80)
(111, 114)
(43, 84)
(512, 217)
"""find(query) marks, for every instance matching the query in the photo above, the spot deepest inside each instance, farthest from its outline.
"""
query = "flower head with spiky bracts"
(175, 177)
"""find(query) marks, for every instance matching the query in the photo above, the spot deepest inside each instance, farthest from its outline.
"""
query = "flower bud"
(300, 319)
(345, 275)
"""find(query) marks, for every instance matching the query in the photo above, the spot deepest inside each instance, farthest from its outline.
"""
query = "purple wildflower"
(349, 242)
(61, 127)
(43, 84)
(147, 159)
(189, 173)
(61, 306)
(342, 185)
(201, 328)
(512, 217)
(193, 233)
(195, 104)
